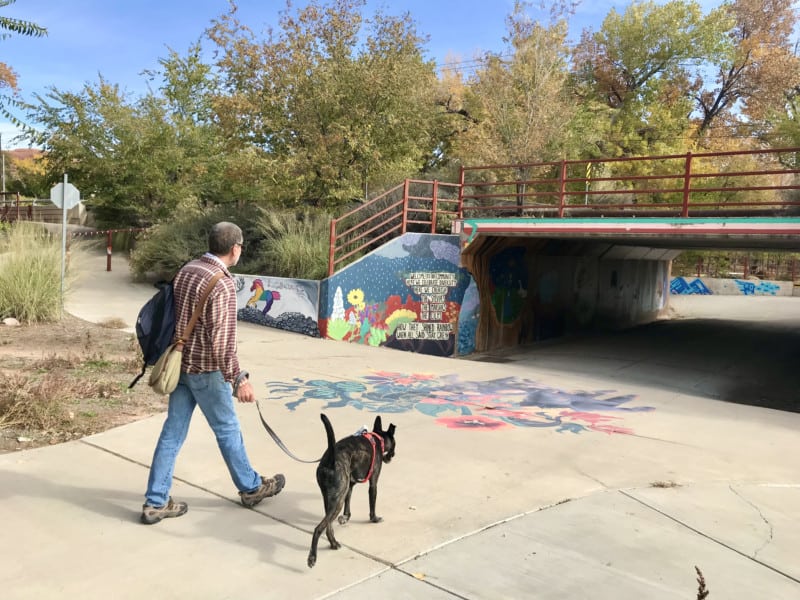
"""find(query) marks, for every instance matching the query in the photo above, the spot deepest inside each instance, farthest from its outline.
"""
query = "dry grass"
(63, 380)
(702, 591)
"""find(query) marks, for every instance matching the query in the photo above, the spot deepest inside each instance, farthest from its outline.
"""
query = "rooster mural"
(262, 295)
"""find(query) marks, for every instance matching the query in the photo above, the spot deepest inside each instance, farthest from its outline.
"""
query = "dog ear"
(377, 426)
(391, 430)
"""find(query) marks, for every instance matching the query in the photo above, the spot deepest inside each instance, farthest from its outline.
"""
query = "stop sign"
(66, 192)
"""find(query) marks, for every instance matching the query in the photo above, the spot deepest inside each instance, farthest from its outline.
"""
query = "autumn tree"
(759, 67)
(8, 78)
(519, 97)
(643, 65)
(333, 104)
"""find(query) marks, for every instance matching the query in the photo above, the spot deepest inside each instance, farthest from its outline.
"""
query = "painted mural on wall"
(407, 295)
(289, 304)
(468, 319)
(680, 285)
(760, 288)
(509, 283)
(745, 287)
(461, 404)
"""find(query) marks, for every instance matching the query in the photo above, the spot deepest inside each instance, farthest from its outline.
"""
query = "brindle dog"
(349, 461)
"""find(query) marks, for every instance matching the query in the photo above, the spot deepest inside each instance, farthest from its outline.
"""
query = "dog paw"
(343, 519)
(335, 546)
(376, 519)
(312, 560)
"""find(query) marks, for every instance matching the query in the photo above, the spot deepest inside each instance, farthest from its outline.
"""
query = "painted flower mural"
(478, 405)
(405, 295)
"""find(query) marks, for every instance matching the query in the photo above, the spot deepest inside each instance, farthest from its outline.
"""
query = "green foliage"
(296, 244)
(164, 248)
(641, 64)
(18, 26)
(336, 105)
(339, 103)
(520, 99)
(30, 273)
(8, 79)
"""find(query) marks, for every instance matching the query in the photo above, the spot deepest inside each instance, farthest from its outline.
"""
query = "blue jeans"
(213, 395)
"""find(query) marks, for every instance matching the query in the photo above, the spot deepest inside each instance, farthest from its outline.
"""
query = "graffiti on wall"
(680, 285)
(761, 288)
(406, 295)
(460, 404)
(509, 283)
(289, 304)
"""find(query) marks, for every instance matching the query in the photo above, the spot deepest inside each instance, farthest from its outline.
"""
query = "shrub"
(164, 248)
(30, 273)
(296, 244)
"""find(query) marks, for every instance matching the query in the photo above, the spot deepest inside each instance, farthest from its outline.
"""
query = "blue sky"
(121, 38)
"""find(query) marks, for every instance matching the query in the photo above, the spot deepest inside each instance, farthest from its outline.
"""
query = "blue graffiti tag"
(766, 288)
(679, 285)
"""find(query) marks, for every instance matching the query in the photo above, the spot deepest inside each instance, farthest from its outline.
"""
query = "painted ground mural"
(406, 295)
(456, 403)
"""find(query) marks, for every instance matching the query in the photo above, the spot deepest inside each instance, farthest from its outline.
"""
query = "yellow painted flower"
(356, 298)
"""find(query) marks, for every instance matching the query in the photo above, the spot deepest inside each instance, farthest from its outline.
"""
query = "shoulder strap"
(183, 338)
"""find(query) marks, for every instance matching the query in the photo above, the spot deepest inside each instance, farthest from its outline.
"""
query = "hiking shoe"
(269, 487)
(153, 514)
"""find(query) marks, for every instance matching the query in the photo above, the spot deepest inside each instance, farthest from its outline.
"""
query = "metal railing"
(740, 183)
(413, 206)
(14, 208)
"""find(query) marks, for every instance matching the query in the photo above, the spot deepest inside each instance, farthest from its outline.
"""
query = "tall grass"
(296, 244)
(30, 273)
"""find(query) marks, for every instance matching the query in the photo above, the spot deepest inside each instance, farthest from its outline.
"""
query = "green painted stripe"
(670, 221)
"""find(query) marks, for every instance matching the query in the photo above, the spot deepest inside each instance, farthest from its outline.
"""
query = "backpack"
(155, 326)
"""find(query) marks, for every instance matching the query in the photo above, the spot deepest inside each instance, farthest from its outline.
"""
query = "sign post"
(65, 196)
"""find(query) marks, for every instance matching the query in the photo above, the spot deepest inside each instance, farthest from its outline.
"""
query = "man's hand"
(245, 392)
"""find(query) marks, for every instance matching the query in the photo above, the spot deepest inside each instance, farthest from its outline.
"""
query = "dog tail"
(329, 457)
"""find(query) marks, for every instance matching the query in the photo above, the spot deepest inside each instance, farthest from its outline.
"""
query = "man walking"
(209, 373)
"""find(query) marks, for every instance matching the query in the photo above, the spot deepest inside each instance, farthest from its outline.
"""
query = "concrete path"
(574, 470)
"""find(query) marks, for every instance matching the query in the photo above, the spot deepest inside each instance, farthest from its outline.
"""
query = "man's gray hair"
(223, 236)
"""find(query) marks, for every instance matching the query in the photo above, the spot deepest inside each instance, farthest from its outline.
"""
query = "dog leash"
(278, 441)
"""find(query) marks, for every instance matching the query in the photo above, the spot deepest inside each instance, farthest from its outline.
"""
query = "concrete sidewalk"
(510, 481)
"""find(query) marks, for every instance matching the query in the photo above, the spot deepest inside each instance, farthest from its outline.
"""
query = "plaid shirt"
(212, 345)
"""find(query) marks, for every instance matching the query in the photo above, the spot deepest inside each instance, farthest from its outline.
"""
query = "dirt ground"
(65, 380)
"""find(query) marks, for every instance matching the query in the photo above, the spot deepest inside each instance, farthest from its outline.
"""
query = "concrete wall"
(412, 294)
(730, 287)
(407, 294)
(533, 290)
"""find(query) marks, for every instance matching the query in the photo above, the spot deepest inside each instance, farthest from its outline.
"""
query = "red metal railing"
(413, 206)
(14, 208)
(740, 183)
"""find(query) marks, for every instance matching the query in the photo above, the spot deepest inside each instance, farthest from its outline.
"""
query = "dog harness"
(371, 437)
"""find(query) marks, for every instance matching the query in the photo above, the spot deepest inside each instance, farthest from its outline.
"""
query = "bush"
(30, 273)
(276, 243)
(296, 244)
(164, 248)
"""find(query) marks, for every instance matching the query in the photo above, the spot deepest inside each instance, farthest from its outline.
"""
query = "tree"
(125, 156)
(333, 104)
(520, 98)
(8, 78)
(760, 65)
(642, 64)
